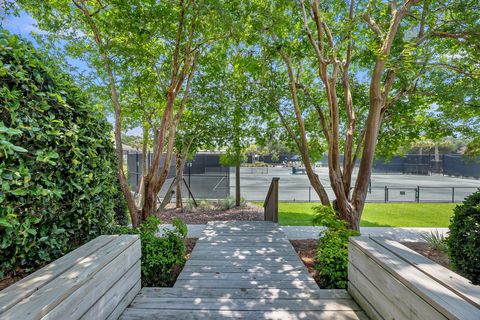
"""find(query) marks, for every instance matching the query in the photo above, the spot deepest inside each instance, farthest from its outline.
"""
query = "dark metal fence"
(447, 164)
(375, 194)
(204, 175)
(458, 166)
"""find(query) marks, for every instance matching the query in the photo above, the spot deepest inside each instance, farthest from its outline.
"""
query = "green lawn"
(377, 214)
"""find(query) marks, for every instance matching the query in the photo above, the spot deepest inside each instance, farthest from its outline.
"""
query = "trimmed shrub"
(464, 238)
(57, 174)
(332, 251)
(161, 256)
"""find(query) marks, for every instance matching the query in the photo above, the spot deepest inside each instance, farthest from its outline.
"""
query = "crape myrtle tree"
(362, 71)
(201, 127)
(119, 38)
(143, 109)
(238, 92)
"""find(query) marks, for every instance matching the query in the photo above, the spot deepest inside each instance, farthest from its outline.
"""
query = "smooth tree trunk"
(179, 174)
(181, 67)
(237, 185)
(301, 142)
(144, 164)
(107, 64)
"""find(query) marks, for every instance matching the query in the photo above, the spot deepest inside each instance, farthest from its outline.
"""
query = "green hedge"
(464, 238)
(57, 169)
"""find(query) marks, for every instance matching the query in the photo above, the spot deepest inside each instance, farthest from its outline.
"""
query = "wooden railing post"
(271, 202)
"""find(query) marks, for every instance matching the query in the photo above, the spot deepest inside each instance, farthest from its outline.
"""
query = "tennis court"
(384, 187)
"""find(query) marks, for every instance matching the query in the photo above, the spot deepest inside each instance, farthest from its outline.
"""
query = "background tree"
(326, 52)
(137, 37)
(237, 93)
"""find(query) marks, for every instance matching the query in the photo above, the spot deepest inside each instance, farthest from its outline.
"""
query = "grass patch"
(376, 214)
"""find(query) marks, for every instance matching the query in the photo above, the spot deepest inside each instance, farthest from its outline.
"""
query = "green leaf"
(4, 223)
(19, 149)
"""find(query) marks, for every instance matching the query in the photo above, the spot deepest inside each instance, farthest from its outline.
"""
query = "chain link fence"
(207, 179)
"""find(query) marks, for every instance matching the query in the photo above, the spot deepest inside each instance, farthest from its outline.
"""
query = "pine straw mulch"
(426, 250)
(249, 212)
(306, 250)
(189, 244)
(10, 279)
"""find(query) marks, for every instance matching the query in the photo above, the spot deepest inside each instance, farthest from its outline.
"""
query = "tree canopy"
(352, 79)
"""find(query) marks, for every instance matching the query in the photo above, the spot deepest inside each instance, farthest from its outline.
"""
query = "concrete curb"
(312, 232)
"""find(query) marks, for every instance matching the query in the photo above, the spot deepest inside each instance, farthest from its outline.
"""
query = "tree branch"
(371, 23)
(320, 112)
(287, 126)
(318, 51)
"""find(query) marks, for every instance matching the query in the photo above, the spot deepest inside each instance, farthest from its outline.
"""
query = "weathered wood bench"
(96, 281)
(390, 281)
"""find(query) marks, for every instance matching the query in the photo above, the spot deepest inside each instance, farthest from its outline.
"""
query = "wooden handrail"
(271, 202)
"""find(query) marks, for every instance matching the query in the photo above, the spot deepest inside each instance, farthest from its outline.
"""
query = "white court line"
(216, 186)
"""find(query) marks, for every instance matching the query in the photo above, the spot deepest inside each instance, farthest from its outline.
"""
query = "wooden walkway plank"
(246, 270)
(139, 314)
(245, 304)
(246, 284)
(269, 265)
(241, 269)
(246, 293)
(243, 276)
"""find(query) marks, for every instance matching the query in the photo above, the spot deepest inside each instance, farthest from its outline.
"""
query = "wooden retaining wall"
(391, 281)
(96, 281)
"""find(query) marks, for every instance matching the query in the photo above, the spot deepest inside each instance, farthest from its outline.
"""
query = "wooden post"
(271, 202)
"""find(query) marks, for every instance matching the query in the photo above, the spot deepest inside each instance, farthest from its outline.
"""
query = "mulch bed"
(9, 280)
(190, 244)
(249, 212)
(426, 250)
(306, 251)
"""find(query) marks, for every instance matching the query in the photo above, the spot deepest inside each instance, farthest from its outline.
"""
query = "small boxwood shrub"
(332, 251)
(58, 179)
(464, 238)
(161, 256)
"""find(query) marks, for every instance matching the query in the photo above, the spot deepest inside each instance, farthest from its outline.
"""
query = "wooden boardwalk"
(246, 270)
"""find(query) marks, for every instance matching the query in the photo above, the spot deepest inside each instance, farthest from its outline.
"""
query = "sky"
(24, 25)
